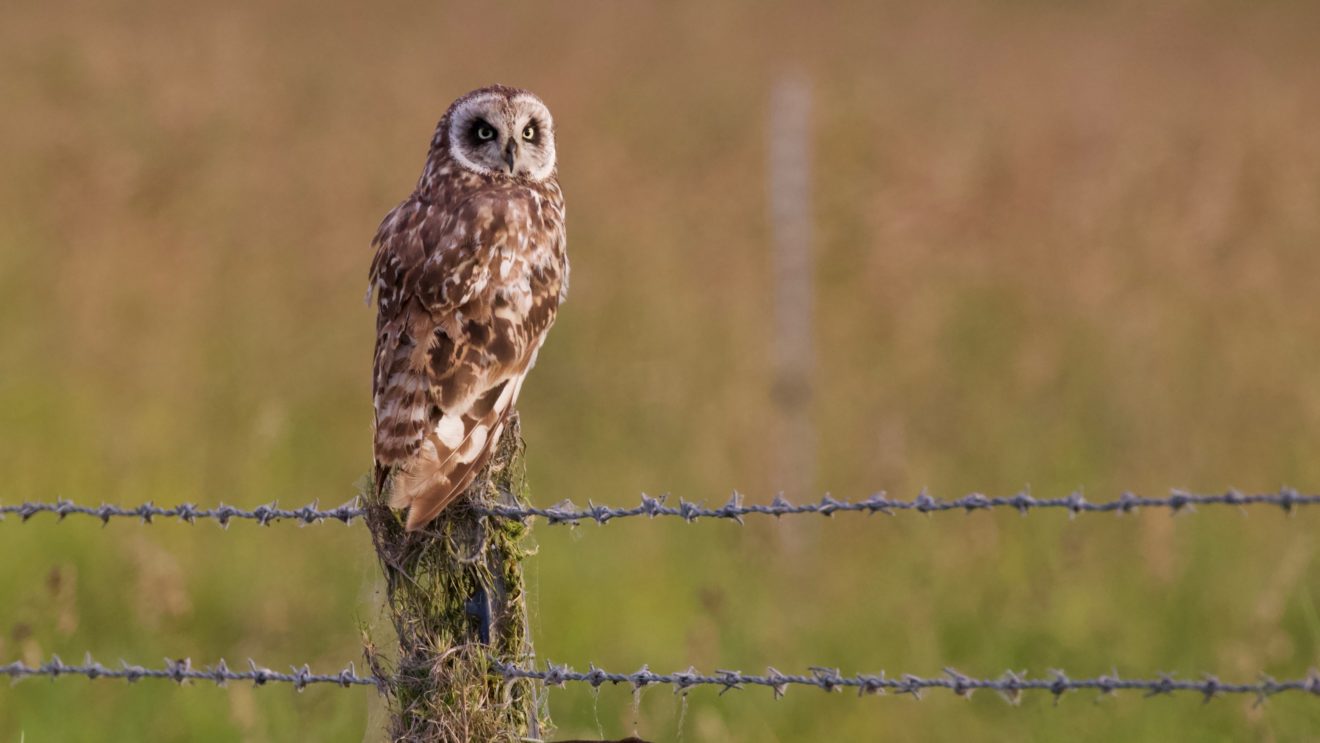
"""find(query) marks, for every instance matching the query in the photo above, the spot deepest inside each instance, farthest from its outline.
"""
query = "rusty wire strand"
(735, 509)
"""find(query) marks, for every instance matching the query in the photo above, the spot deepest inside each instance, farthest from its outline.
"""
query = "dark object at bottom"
(478, 609)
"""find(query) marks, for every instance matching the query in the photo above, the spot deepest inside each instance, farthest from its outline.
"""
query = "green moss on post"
(454, 592)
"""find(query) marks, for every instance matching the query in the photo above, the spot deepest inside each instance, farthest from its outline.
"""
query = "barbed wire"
(735, 509)
(566, 512)
(1011, 685)
(148, 512)
(180, 671)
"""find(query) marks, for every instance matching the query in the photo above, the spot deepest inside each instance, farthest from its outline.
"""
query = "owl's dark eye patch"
(482, 131)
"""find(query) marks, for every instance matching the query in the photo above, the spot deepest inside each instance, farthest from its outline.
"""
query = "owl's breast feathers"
(466, 293)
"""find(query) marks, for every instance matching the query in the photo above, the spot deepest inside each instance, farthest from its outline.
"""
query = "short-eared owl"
(469, 272)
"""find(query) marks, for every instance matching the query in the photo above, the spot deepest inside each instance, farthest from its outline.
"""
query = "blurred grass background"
(1058, 245)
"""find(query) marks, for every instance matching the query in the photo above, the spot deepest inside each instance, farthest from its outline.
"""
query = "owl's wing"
(464, 305)
(411, 250)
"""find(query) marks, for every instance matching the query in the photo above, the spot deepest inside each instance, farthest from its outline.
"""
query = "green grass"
(1058, 247)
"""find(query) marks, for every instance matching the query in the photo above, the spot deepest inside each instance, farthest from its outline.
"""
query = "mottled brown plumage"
(469, 272)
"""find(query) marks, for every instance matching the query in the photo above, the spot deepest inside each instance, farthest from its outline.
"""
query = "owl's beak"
(509, 152)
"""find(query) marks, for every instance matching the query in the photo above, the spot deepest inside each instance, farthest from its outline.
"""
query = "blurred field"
(1057, 246)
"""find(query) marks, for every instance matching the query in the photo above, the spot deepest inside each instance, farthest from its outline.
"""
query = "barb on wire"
(1010, 685)
(735, 509)
(180, 671)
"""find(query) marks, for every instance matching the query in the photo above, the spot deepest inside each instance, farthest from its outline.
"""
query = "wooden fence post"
(788, 170)
(454, 592)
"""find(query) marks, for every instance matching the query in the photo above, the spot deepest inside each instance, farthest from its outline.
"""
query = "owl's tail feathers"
(438, 474)
(452, 454)
(428, 484)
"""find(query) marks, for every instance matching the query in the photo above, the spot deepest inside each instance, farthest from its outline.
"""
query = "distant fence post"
(454, 593)
(789, 191)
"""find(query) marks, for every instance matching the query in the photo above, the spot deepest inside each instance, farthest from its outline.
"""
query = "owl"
(469, 272)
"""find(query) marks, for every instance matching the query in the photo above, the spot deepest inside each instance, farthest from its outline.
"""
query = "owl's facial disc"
(498, 135)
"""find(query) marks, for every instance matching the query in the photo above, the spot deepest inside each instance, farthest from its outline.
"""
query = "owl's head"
(502, 132)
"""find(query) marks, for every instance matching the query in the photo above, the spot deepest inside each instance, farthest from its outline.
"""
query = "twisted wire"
(149, 512)
(180, 671)
(735, 509)
(1011, 685)
(566, 512)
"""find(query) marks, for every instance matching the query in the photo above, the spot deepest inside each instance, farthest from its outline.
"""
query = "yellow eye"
(529, 133)
(485, 133)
